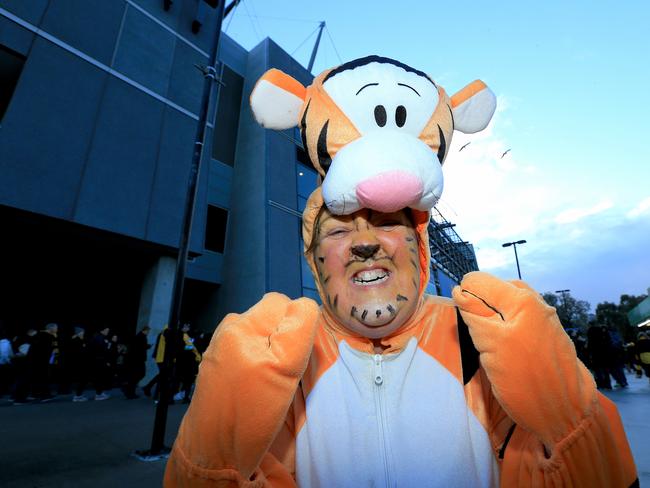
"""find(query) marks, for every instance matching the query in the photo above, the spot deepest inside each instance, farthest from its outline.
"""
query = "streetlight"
(514, 245)
(564, 293)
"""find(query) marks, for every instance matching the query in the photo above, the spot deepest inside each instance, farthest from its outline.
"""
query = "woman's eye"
(389, 223)
(337, 232)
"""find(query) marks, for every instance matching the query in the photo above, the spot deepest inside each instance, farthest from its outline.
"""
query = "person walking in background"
(136, 359)
(599, 347)
(42, 355)
(22, 387)
(100, 350)
(6, 360)
(159, 351)
(77, 361)
(643, 352)
(187, 366)
(617, 357)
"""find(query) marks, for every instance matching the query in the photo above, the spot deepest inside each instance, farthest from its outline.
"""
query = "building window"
(215, 229)
(11, 64)
(227, 121)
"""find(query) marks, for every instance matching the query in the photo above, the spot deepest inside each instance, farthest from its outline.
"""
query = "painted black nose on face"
(365, 251)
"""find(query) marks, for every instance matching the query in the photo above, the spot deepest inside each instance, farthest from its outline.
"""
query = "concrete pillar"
(155, 304)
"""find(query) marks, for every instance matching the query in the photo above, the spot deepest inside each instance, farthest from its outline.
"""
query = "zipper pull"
(379, 377)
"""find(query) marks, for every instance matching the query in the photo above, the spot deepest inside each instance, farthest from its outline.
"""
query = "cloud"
(574, 214)
(642, 208)
(577, 237)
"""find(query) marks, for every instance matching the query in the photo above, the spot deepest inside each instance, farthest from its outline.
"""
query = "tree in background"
(611, 314)
(573, 313)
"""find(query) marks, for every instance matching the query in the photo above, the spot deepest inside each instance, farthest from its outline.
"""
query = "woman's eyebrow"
(408, 86)
(366, 86)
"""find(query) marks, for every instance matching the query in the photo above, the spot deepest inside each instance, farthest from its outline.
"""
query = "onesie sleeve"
(554, 427)
(595, 454)
(236, 432)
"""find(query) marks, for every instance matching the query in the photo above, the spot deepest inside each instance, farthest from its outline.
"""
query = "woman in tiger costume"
(384, 385)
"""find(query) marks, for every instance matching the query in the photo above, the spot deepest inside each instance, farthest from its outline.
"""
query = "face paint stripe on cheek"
(390, 309)
(353, 311)
(336, 300)
(364, 315)
(402, 298)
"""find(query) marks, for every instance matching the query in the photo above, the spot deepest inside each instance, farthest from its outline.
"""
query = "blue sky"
(571, 80)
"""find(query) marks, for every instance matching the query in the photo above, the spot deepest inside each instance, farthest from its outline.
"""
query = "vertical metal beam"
(315, 50)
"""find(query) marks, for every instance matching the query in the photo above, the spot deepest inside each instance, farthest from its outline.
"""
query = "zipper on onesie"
(381, 415)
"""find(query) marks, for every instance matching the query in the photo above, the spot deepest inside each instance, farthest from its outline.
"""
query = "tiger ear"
(473, 107)
(276, 100)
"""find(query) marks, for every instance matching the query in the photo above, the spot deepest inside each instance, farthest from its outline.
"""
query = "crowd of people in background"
(39, 365)
(603, 350)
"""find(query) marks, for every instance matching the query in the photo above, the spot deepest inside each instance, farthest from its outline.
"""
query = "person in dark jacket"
(22, 388)
(77, 360)
(136, 359)
(42, 355)
(100, 351)
(600, 348)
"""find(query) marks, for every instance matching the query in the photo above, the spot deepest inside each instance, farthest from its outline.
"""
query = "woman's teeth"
(370, 277)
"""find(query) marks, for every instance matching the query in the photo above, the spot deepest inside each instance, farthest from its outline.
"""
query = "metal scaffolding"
(448, 251)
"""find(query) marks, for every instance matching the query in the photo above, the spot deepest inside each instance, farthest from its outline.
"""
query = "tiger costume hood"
(375, 129)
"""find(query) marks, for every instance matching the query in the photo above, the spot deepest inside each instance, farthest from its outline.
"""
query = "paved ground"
(65, 444)
(634, 406)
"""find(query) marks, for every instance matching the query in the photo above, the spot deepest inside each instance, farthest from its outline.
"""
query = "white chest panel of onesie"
(411, 427)
(382, 95)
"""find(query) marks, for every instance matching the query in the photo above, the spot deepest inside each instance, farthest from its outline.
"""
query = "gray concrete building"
(99, 102)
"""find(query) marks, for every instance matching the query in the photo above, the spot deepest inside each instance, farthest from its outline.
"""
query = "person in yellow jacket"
(187, 364)
(384, 385)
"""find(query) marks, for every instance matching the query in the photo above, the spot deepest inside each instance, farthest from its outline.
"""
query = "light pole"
(514, 245)
(158, 449)
(564, 307)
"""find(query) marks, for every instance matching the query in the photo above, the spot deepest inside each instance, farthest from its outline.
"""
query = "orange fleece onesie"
(481, 390)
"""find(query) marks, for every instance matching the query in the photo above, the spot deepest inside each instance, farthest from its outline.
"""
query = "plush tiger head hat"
(375, 129)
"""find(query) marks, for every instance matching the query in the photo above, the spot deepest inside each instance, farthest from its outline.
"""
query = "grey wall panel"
(117, 182)
(245, 262)
(186, 83)
(207, 267)
(171, 18)
(219, 184)
(29, 10)
(284, 253)
(15, 37)
(76, 23)
(145, 52)
(282, 170)
(170, 182)
(197, 237)
(188, 11)
(46, 131)
(232, 53)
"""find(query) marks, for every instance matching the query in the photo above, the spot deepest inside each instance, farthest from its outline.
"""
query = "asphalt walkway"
(65, 444)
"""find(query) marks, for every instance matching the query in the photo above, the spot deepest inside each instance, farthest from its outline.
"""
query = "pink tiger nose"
(390, 191)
